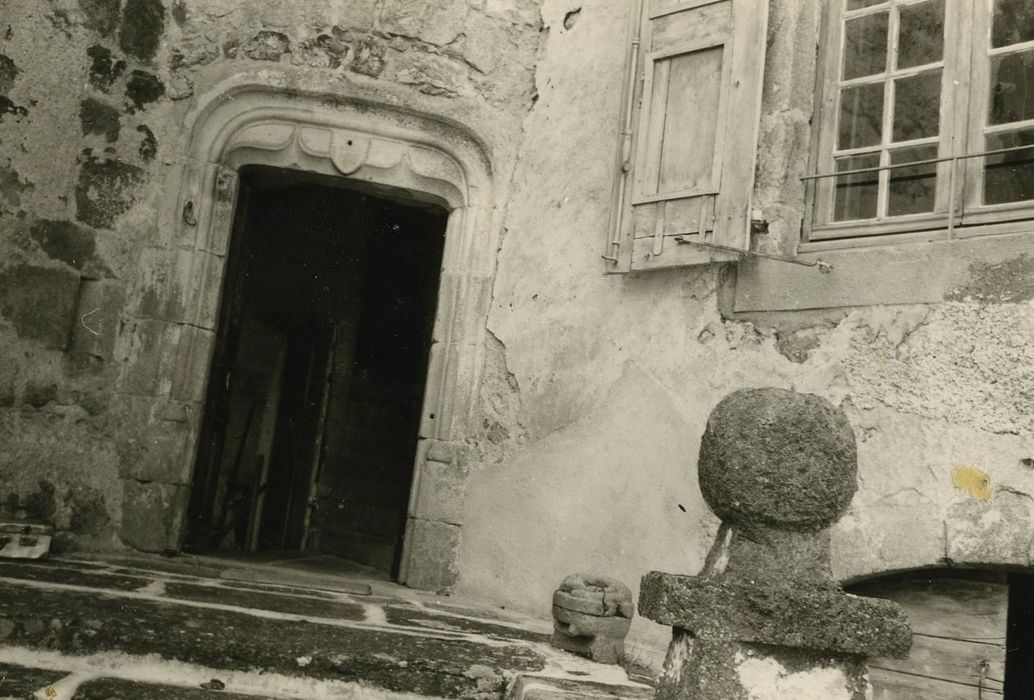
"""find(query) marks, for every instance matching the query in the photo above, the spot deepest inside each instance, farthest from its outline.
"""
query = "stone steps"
(110, 628)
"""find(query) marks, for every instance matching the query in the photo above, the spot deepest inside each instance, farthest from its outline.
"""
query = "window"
(693, 102)
(926, 118)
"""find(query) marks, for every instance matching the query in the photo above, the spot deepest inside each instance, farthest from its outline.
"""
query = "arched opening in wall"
(973, 635)
(309, 435)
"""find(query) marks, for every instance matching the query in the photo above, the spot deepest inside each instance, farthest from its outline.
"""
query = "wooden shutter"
(688, 165)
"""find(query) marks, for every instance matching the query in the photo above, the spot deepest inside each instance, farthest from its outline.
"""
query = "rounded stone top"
(778, 458)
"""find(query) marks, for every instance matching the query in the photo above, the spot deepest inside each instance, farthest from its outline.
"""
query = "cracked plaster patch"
(962, 363)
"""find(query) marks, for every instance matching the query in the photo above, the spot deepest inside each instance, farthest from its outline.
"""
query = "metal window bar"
(952, 173)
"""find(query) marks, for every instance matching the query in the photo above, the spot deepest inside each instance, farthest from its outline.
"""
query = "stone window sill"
(910, 269)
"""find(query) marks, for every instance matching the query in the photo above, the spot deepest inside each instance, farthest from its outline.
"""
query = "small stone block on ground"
(594, 595)
(600, 638)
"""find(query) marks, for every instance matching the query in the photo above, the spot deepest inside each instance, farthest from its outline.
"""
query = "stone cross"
(765, 619)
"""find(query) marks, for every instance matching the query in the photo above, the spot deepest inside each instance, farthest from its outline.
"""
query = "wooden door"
(958, 643)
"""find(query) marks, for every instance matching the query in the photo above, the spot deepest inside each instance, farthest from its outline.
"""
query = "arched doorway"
(393, 155)
(311, 421)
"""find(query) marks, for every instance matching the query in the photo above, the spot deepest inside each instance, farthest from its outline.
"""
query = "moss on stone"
(143, 22)
(64, 241)
(95, 117)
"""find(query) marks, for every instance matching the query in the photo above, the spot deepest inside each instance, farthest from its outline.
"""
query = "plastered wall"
(614, 376)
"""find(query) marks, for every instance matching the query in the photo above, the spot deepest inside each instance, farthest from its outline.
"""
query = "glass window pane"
(856, 195)
(865, 45)
(917, 105)
(1012, 87)
(1009, 177)
(911, 190)
(921, 33)
(1013, 22)
(861, 116)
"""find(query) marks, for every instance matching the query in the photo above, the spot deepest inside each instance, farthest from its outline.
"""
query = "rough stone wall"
(614, 376)
(94, 96)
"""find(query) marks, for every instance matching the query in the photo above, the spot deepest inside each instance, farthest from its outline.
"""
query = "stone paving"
(190, 627)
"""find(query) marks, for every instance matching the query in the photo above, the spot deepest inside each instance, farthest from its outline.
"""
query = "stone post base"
(698, 669)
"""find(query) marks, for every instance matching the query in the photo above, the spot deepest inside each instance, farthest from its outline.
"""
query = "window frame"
(965, 66)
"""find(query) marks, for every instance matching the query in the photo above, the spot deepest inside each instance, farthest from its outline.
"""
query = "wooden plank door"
(958, 642)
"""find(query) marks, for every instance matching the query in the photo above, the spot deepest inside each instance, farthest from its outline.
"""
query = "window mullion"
(973, 66)
(888, 109)
(954, 101)
(829, 109)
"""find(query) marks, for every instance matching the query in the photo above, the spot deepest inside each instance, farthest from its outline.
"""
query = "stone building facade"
(564, 402)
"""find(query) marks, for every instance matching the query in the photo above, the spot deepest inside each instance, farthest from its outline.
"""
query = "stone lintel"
(791, 614)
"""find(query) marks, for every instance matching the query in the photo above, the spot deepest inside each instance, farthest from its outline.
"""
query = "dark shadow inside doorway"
(310, 426)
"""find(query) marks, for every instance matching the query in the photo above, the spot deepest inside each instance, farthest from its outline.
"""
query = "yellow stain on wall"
(975, 482)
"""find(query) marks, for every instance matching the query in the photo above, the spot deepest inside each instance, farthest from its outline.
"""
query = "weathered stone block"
(323, 51)
(100, 309)
(143, 88)
(368, 58)
(143, 22)
(38, 395)
(487, 42)
(149, 351)
(428, 20)
(64, 241)
(152, 515)
(801, 455)
(12, 186)
(193, 357)
(40, 302)
(154, 293)
(95, 117)
(993, 531)
(433, 75)
(600, 638)
(434, 550)
(601, 648)
(788, 614)
(442, 491)
(578, 624)
(447, 452)
(104, 71)
(267, 46)
(593, 594)
(163, 451)
(105, 191)
(8, 73)
(101, 15)
(591, 616)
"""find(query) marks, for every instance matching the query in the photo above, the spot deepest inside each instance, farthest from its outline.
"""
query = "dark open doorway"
(310, 426)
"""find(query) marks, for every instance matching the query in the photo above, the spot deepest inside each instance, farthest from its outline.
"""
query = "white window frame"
(965, 92)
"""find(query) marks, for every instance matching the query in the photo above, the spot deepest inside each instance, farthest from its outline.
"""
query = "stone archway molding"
(170, 334)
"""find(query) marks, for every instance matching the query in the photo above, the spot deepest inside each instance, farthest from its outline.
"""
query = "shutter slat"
(657, 90)
(700, 76)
